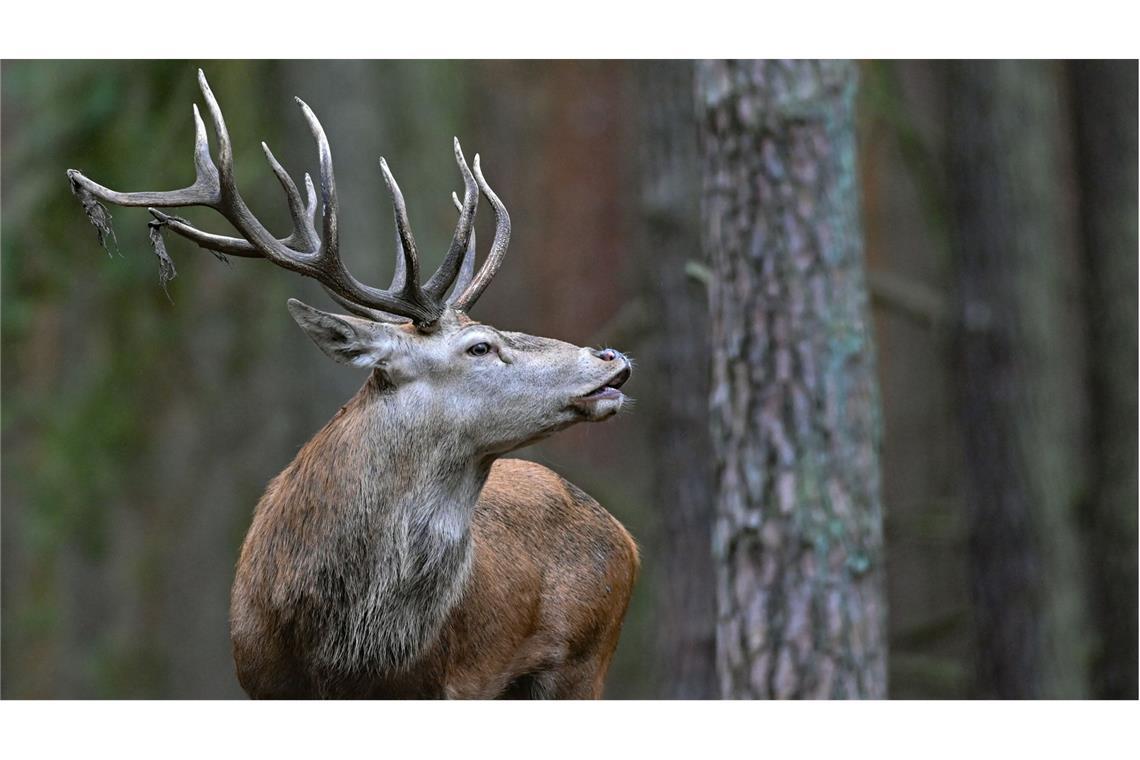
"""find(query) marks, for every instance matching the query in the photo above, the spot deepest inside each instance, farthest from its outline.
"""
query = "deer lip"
(610, 388)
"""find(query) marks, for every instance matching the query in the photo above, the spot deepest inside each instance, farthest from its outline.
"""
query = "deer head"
(497, 390)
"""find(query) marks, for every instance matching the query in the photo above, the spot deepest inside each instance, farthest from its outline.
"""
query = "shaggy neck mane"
(377, 512)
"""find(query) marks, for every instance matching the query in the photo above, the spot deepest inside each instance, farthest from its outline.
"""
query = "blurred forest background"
(999, 236)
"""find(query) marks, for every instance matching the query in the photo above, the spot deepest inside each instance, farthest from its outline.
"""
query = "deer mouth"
(609, 389)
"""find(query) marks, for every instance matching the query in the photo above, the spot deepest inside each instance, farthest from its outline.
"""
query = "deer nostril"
(608, 355)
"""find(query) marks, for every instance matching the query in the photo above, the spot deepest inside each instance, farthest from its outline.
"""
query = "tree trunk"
(795, 423)
(1021, 390)
(677, 407)
(1105, 106)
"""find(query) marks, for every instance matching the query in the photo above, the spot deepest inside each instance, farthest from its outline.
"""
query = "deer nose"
(608, 354)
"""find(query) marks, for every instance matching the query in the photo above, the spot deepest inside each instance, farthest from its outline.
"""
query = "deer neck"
(396, 522)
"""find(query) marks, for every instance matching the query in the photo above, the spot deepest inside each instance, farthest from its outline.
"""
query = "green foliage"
(85, 334)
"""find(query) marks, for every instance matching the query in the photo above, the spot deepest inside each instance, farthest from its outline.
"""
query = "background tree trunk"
(677, 407)
(1104, 94)
(798, 532)
(1022, 386)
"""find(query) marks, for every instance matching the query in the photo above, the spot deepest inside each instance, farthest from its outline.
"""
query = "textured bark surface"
(1022, 391)
(795, 423)
(1104, 94)
(677, 407)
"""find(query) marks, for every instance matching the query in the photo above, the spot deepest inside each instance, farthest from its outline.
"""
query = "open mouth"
(610, 388)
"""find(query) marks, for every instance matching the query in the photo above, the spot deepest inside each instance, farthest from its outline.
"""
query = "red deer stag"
(399, 555)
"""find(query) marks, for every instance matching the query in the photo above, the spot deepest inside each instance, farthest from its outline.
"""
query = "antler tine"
(490, 267)
(410, 254)
(328, 183)
(225, 165)
(464, 229)
(204, 168)
(399, 275)
(311, 200)
(467, 268)
(304, 233)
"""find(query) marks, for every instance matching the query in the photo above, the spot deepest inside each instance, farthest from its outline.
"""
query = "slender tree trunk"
(795, 421)
(1105, 95)
(678, 406)
(1022, 390)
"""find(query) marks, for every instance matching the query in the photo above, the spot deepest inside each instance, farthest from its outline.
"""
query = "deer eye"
(480, 349)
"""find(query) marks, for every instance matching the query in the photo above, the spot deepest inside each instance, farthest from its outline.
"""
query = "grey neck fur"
(385, 549)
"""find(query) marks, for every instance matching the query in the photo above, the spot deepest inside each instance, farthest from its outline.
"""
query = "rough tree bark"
(1020, 365)
(678, 406)
(1104, 95)
(795, 423)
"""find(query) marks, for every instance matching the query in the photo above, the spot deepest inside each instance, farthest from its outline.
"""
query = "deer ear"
(348, 340)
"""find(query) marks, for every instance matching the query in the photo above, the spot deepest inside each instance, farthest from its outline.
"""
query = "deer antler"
(467, 268)
(304, 251)
(470, 294)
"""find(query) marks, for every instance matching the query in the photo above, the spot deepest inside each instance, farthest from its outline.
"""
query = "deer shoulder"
(551, 582)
